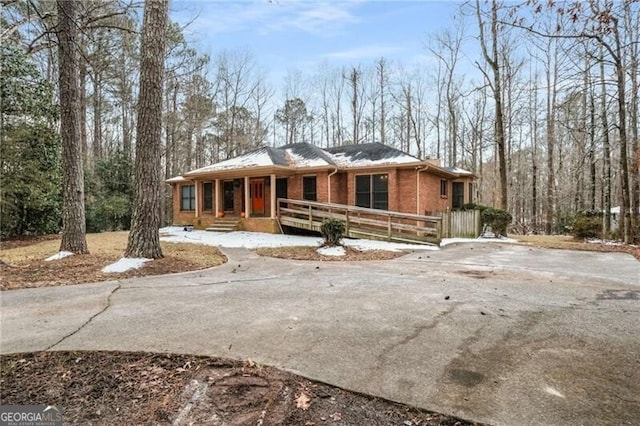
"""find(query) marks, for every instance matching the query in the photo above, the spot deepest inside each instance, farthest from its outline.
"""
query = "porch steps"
(225, 225)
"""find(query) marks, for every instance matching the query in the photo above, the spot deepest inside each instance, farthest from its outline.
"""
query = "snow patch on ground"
(366, 245)
(239, 239)
(251, 240)
(447, 241)
(605, 242)
(59, 255)
(125, 264)
(332, 251)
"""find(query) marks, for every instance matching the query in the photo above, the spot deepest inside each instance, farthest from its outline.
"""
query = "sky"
(299, 35)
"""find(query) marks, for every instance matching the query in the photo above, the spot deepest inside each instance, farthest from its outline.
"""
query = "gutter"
(329, 183)
(418, 170)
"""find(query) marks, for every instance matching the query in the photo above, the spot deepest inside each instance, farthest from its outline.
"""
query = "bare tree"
(381, 69)
(144, 238)
(493, 60)
(446, 48)
(73, 216)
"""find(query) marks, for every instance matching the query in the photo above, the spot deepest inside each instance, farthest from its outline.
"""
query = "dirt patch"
(25, 240)
(569, 243)
(477, 274)
(23, 266)
(143, 388)
(310, 253)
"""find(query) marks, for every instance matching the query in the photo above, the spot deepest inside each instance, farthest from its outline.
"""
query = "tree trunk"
(73, 218)
(606, 153)
(625, 213)
(82, 99)
(144, 238)
(552, 77)
(493, 62)
(383, 118)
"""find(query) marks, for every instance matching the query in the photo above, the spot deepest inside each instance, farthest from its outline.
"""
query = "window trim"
(444, 188)
(460, 184)
(191, 197)
(315, 188)
(372, 199)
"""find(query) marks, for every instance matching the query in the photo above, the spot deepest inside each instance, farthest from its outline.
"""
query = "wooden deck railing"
(361, 222)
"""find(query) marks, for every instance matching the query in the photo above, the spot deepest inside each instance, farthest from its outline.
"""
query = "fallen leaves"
(303, 401)
(141, 388)
(310, 253)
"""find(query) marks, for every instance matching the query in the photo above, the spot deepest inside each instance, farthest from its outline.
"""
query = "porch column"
(272, 188)
(216, 198)
(247, 200)
(197, 195)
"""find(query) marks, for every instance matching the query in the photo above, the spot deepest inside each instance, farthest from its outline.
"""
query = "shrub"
(497, 219)
(332, 231)
(111, 214)
(474, 206)
(587, 224)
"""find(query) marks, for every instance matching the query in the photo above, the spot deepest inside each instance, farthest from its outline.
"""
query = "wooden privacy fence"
(361, 222)
(463, 224)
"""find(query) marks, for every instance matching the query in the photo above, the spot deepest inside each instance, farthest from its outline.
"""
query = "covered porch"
(210, 199)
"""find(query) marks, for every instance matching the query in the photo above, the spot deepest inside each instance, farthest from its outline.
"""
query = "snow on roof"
(458, 170)
(258, 158)
(306, 155)
(176, 179)
(369, 154)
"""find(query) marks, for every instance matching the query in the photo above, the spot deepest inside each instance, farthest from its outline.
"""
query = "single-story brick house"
(367, 175)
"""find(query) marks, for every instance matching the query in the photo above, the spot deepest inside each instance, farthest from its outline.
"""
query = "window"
(207, 196)
(470, 193)
(372, 191)
(458, 195)
(281, 188)
(443, 188)
(188, 198)
(309, 188)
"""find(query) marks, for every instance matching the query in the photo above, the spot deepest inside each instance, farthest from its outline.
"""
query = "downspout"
(418, 170)
(329, 183)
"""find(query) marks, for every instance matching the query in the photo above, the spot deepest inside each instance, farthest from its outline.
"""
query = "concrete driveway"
(497, 333)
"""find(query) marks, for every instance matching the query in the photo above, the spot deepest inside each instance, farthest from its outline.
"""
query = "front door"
(228, 196)
(257, 196)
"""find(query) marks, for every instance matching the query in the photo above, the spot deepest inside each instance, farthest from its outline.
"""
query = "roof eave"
(239, 172)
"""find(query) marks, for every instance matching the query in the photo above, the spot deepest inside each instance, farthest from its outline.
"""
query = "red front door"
(257, 196)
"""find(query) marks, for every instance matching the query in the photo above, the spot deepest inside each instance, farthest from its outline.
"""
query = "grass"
(567, 242)
(23, 264)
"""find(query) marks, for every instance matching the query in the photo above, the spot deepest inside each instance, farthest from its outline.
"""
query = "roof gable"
(306, 155)
(262, 157)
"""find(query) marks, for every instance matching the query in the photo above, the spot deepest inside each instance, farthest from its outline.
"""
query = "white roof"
(176, 179)
(344, 160)
(259, 158)
(296, 160)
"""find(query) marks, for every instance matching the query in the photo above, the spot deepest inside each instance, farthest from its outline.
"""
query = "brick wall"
(339, 188)
(260, 225)
(406, 190)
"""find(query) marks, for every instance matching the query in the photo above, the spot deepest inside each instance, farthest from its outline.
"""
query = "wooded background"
(545, 110)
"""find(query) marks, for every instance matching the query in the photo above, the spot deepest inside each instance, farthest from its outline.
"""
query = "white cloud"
(265, 17)
(364, 52)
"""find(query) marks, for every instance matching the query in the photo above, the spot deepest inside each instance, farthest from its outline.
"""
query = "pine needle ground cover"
(22, 263)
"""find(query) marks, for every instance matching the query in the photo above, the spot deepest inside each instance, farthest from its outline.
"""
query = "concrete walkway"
(496, 333)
